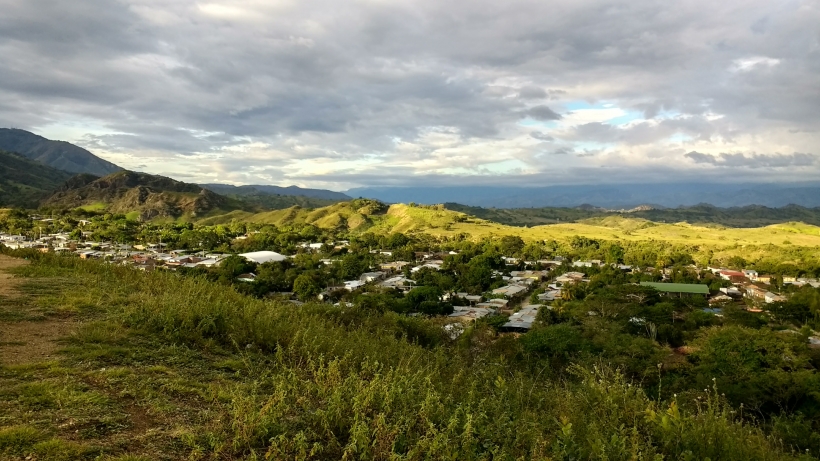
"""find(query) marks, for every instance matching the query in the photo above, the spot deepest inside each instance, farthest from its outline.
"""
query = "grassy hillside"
(138, 366)
(23, 182)
(748, 216)
(364, 215)
(148, 196)
(57, 154)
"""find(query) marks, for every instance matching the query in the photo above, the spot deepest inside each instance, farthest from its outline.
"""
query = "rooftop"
(678, 287)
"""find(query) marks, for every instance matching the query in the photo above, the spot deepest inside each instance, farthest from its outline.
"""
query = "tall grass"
(321, 383)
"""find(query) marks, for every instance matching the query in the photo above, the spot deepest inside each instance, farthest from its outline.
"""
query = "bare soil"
(26, 341)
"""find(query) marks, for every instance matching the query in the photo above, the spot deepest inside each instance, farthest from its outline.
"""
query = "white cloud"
(748, 64)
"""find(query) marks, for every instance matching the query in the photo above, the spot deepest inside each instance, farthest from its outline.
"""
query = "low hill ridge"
(227, 189)
(149, 196)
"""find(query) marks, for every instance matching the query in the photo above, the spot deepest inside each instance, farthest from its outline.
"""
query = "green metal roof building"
(678, 288)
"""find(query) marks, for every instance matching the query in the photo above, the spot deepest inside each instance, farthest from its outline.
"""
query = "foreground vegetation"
(167, 367)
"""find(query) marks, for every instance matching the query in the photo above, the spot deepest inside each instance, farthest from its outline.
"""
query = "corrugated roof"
(678, 287)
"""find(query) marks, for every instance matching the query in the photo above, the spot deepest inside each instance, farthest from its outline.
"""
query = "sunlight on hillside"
(437, 220)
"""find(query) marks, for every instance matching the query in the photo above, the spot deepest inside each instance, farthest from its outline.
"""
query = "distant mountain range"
(37, 172)
(607, 196)
(227, 189)
(56, 154)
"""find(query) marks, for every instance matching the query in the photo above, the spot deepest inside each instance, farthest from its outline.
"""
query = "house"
(767, 279)
(755, 292)
(571, 277)
(522, 320)
(720, 299)
(210, 262)
(472, 298)
(678, 289)
(750, 274)
(353, 285)
(549, 262)
(261, 257)
(520, 280)
(733, 276)
(731, 291)
(397, 282)
(249, 277)
(770, 297)
(550, 295)
(435, 267)
(582, 264)
(371, 276)
(394, 266)
(469, 313)
(534, 275)
(510, 291)
(789, 279)
(494, 303)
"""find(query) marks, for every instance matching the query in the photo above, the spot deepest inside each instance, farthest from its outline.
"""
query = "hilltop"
(361, 215)
(140, 195)
(262, 190)
(56, 154)
(23, 182)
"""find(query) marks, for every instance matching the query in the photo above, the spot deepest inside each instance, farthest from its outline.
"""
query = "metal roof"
(678, 287)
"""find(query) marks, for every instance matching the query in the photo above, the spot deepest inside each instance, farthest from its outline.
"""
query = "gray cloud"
(542, 113)
(754, 160)
(434, 89)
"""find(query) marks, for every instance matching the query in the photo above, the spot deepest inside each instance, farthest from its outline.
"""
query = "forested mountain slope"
(56, 154)
(23, 182)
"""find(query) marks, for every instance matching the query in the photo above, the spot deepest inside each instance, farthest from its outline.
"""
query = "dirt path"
(25, 341)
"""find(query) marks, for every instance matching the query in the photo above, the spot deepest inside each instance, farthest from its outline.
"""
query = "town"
(461, 280)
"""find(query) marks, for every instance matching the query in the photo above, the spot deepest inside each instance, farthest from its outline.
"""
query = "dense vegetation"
(318, 382)
(23, 181)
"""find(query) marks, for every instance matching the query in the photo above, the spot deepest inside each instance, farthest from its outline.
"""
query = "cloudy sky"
(341, 94)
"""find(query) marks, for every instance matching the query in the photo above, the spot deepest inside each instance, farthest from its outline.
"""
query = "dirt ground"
(26, 341)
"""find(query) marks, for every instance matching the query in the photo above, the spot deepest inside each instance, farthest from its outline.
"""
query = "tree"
(235, 265)
(511, 245)
(305, 287)
(765, 370)
(557, 341)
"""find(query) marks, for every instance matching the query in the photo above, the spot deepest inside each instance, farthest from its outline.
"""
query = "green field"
(94, 207)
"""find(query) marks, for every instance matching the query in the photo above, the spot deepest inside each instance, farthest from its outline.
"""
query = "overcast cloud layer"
(342, 94)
